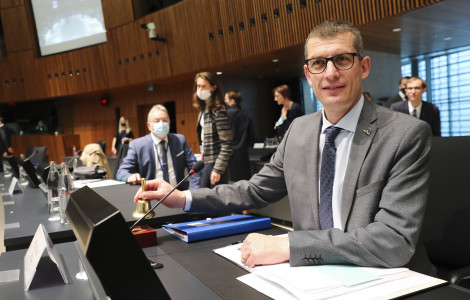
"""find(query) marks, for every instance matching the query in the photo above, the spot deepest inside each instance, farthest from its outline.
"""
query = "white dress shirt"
(418, 109)
(343, 145)
(158, 155)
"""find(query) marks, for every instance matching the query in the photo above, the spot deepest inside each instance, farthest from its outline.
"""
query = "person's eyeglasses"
(343, 62)
(417, 88)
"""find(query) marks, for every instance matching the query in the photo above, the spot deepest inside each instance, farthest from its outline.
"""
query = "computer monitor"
(31, 172)
(111, 249)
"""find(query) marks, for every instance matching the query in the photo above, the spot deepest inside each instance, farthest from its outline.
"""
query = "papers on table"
(94, 183)
(328, 281)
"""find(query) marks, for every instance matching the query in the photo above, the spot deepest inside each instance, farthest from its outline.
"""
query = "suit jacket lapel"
(153, 163)
(311, 146)
(365, 132)
(174, 149)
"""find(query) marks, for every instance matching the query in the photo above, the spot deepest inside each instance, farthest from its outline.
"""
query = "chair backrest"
(102, 144)
(446, 228)
(93, 155)
(41, 155)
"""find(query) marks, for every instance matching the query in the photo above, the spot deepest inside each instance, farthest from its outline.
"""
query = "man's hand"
(215, 177)
(157, 189)
(260, 249)
(134, 178)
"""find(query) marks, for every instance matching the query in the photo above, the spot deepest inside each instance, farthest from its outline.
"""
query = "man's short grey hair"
(331, 28)
(157, 107)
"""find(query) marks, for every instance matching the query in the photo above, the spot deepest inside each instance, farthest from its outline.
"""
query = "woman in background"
(290, 109)
(123, 136)
(213, 129)
(121, 142)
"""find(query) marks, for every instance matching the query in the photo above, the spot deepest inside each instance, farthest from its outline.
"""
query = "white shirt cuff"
(189, 200)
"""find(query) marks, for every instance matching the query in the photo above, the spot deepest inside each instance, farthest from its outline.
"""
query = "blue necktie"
(327, 177)
(164, 161)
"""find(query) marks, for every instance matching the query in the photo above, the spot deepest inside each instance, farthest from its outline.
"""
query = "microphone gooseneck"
(197, 167)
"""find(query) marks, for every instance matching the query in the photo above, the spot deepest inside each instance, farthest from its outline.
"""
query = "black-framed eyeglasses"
(343, 62)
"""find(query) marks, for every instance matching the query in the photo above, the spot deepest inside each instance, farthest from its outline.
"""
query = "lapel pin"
(367, 130)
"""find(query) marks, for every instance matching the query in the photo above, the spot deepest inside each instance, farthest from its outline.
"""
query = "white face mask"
(204, 94)
(161, 129)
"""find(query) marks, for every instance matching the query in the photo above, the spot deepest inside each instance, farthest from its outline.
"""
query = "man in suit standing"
(243, 137)
(356, 173)
(416, 107)
(401, 96)
(159, 154)
(5, 142)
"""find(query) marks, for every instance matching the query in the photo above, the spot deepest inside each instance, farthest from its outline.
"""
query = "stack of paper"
(329, 281)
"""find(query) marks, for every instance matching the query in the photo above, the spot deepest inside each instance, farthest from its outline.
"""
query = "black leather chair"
(446, 227)
(41, 155)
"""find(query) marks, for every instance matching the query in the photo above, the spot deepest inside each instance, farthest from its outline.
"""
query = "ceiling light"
(447, 38)
(219, 73)
(398, 29)
(275, 60)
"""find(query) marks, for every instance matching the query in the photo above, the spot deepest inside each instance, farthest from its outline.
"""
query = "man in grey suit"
(372, 211)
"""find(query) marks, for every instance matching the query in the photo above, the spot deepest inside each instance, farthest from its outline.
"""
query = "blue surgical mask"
(161, 129)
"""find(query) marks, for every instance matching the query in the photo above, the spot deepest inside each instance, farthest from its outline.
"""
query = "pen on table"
(237, 242)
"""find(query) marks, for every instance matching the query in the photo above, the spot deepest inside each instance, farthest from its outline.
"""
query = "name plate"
(40, 242)
(15, 186)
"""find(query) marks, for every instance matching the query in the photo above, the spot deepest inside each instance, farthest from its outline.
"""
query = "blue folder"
(216, 227)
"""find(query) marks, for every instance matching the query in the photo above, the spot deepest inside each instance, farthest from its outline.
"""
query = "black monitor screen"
(13, 161)
(31, 172)
(111, 248)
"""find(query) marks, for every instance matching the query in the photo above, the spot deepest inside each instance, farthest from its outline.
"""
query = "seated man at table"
(159, 154)
(356, 173)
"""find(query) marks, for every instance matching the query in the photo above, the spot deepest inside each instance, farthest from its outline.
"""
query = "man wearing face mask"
(159, 154)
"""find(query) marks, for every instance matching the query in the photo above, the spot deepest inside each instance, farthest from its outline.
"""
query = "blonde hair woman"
(123, 136)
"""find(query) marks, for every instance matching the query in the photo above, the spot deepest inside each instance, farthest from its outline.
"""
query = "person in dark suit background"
(290, 109)
(366, 213)
(415, 106)
(5, 142)
(243, 135)
(401, 96)
(145, 155)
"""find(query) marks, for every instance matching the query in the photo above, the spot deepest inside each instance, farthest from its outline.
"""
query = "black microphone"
(33, 154)
(197, 167)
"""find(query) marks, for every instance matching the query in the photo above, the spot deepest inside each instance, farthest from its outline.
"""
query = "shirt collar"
(411, 107)
(349, 121)
(156, 140)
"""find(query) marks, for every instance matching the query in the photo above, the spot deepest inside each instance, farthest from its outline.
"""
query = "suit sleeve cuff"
(189, 201)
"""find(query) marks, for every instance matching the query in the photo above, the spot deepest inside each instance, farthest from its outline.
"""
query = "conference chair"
(121, 154)
(93, 155)
(446, 227)
(102, 144)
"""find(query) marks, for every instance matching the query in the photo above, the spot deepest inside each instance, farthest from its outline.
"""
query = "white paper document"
(94, 183)
(282, 281)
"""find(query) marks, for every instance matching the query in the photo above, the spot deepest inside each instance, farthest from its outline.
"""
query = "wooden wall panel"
(188, 50)
(117, 13)
(16, 28)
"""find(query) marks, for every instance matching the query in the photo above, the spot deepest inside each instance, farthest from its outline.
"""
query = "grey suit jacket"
(383, 200)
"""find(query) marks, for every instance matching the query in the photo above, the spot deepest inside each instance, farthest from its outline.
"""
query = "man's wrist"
(189, 200)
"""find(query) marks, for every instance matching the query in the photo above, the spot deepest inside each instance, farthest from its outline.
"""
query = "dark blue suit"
(141, 159)
(429, 113)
